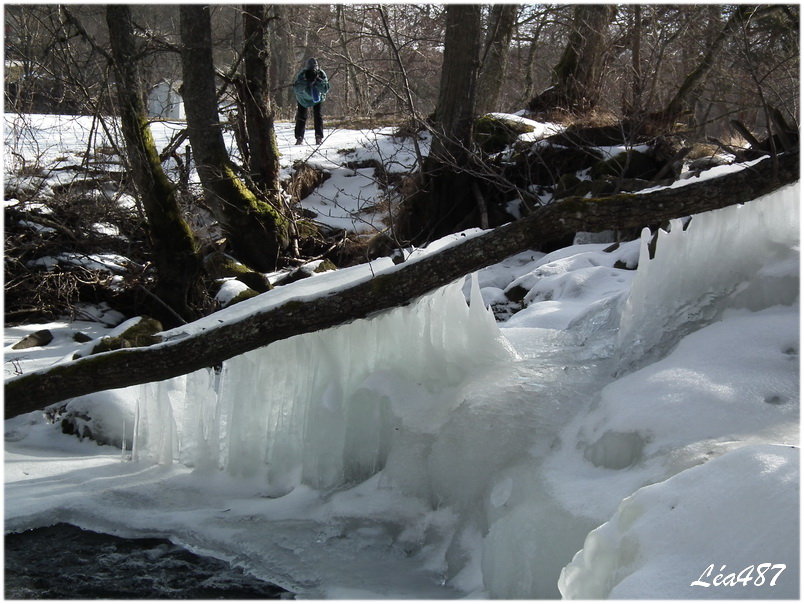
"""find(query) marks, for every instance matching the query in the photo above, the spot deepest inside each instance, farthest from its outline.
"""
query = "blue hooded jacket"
(311, 85)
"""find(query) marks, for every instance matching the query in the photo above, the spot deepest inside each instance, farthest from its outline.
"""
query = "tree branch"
(394, 287)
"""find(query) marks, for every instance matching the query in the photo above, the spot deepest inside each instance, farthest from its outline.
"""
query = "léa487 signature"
(763, 574)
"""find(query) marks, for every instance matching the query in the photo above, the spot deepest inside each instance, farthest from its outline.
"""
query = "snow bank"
(719, 530)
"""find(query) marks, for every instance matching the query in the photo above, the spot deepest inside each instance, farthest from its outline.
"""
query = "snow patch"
(736, 513)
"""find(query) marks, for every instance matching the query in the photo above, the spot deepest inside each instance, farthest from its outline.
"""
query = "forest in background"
(376, 53)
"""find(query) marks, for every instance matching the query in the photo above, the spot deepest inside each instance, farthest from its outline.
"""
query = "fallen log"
(394, 287)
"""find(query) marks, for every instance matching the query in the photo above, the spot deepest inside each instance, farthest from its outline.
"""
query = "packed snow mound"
(732, 383)
(719, 530)
(562, 285)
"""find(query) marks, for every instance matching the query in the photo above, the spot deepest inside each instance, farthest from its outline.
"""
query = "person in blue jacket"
(311, 87)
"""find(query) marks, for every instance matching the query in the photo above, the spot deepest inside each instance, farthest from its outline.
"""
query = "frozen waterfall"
(323, 409)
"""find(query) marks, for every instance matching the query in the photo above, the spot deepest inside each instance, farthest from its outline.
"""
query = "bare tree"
(494, 59)
(213, 346)
(578, 75)
(263, 152)
(448, 197)
(680, 101)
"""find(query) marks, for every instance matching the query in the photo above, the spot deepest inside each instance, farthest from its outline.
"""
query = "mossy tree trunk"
(256, 230)
(172, 242)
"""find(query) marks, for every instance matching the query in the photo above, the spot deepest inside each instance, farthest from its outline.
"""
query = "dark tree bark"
(448, 199)
(578, 75)
(174, 247)
(494, 62)
(280, 40)
(457, 94)
(257, 230)
(389, 289)
(263, 151)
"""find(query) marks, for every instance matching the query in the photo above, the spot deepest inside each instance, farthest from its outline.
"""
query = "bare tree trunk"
(263, 151)
(256, 230)
(494, 63)
(128, 367)
(577, 76)
(281, 57)
(531, 57)
(173, 244)
(448, 198)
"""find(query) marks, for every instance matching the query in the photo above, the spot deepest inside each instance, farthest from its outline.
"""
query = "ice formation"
(723, 255)
(409, 397)
(323, 409)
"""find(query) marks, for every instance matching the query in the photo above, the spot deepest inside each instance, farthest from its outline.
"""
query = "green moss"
(141, 334)
(380, 284)
(579, 203)
(293, 306)
(218, 266)
(244, 295)
(306, 229)
(325, 265)
(494, 134)
(256, 281)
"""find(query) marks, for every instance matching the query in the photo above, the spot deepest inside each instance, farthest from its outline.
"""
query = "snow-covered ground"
(626, 434)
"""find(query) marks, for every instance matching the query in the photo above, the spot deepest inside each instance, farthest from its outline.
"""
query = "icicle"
(313, 408)
(136, 432)
(696, 268)
(123, 445)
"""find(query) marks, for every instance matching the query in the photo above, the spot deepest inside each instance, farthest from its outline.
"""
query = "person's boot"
(319, 140)
(299, 141)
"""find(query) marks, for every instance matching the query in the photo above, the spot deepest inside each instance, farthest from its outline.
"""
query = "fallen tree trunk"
(395, 287)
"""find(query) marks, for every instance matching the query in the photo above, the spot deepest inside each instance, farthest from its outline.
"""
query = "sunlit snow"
(620, 434)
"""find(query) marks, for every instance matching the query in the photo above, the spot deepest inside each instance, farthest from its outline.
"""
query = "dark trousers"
(301, 120)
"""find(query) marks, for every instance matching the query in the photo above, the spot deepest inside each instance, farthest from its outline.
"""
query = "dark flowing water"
(65, 562)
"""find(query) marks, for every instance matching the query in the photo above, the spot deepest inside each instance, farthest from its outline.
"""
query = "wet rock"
(43, 337)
